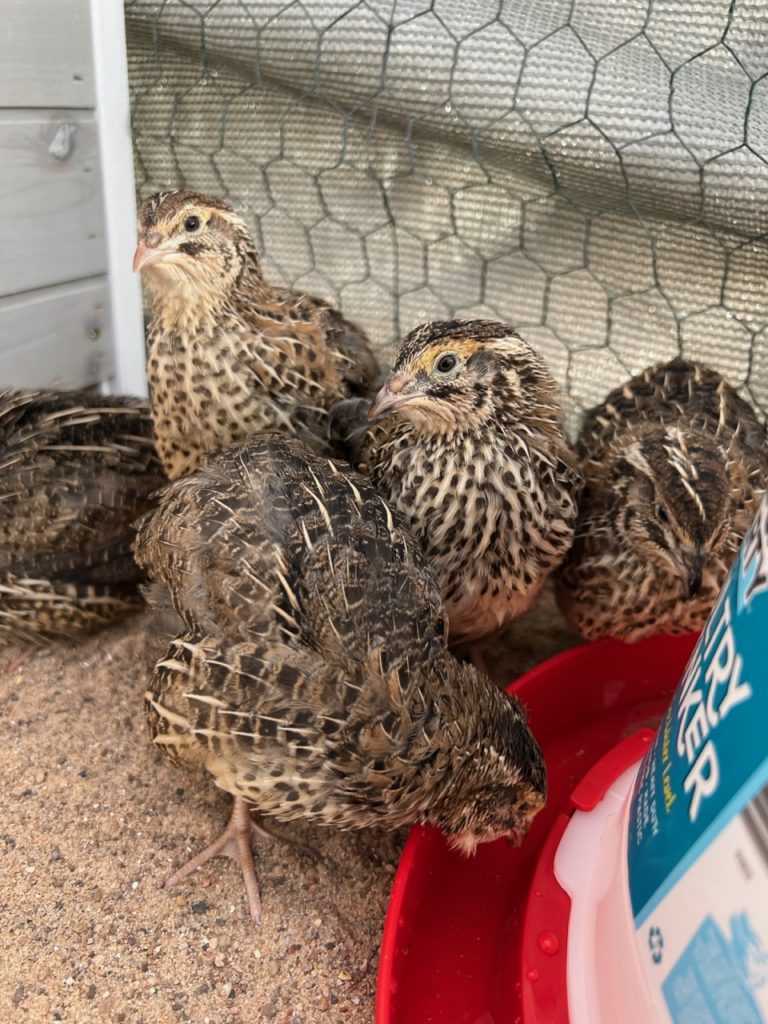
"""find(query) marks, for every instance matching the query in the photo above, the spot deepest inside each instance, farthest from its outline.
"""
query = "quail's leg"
(235, 841)
(14, 664)
(260, 828)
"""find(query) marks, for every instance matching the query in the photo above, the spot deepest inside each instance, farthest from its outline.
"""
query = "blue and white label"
(704, 949)
(709, 982)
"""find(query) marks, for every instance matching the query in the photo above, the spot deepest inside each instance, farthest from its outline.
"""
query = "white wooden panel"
(45, 53)
(50, 199)
(57, 337)
(114, 116)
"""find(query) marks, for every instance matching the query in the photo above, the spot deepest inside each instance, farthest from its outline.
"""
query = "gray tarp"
(593, 172)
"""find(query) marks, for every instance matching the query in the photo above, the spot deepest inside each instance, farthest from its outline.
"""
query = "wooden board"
(46, 58)
(57, 337)
(50, 199)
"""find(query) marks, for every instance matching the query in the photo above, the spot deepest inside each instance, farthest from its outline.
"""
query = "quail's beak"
(694, 560)
(398, 389)
(516, 835)
(148, 251)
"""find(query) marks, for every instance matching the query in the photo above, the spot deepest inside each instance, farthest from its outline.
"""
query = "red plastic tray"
(451, 950)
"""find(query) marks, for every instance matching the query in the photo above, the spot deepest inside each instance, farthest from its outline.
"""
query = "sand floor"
(92, 816)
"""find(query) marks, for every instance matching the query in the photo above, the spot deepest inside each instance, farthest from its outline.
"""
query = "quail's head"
(675, 511)
(191, 244)
(451, 377)
(497, 785)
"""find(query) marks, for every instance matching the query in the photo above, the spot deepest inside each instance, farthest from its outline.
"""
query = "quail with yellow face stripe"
(467, 442)
(675, 463)
(228, 353)
(309, 675)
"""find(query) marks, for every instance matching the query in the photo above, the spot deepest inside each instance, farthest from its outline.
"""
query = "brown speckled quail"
(228, 353)
(468, 444)
(675, 463)
(76, 470)
(310, 675)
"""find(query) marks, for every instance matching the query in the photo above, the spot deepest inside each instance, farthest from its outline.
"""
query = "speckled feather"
(483, 474)
(229, 354)
(310, 674)
(76, 470)
(675, 463)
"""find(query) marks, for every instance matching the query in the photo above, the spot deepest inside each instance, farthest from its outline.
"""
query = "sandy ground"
(92, 816)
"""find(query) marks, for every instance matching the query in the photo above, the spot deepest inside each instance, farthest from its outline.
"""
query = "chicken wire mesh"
(592, 171)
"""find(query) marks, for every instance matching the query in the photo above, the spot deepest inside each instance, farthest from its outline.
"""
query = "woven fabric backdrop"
(592, 171)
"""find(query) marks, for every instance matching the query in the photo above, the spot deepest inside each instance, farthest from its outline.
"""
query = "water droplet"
(548, 943)
(532, 974)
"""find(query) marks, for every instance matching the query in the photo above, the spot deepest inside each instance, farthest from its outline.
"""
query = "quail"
(467, 442)
(228, 353)
(310, 675)
(675, 463)
(76, 470)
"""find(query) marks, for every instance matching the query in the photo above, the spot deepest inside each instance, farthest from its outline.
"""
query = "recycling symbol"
(656, 944)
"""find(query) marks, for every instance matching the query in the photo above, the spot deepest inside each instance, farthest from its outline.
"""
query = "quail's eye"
(446, 363)
(192, 223)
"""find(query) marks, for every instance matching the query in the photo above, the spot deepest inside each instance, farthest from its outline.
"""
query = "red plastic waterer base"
(482, 940)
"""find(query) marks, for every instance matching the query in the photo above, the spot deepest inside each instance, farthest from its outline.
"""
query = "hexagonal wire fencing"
(591, 171)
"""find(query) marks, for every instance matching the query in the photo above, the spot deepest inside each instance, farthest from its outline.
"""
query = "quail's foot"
(236, 841)
(14, 664)
(260, 828)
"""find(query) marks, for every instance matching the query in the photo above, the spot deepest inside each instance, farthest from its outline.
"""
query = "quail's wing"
(76, 470)
(361, 371)
(209, 549)
(290, 733)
